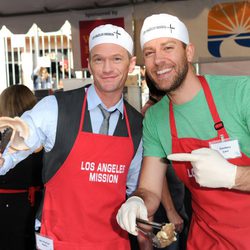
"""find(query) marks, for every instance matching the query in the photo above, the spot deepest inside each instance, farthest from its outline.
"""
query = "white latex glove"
(133, 208)
(210, 168)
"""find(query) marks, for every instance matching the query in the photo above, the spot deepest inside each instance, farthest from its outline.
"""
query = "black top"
(25, 174)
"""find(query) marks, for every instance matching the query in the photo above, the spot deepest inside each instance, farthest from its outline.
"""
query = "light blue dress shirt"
(42, 121)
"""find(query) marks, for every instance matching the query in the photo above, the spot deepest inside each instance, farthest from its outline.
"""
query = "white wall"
(226, 68)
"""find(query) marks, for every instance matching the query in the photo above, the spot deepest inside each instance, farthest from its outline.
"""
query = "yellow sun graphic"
(228, 18)
(228, 21)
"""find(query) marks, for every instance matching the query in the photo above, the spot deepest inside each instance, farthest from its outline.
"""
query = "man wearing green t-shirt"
(203, 126)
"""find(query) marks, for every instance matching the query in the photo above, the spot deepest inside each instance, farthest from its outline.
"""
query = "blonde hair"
(15, 100)
(43, 73)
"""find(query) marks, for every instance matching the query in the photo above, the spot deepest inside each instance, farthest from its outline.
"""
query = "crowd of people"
(104, 164)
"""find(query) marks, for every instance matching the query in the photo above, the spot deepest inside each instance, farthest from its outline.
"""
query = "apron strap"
(83, 111)
(172, 121)
(31, 191)
(218, 124)
(83, 115)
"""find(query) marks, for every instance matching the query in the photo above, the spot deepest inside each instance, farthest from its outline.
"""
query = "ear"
(132, 64)
(89, 67)
(190, 52)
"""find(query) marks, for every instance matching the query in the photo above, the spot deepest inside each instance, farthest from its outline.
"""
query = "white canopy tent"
(49, 16)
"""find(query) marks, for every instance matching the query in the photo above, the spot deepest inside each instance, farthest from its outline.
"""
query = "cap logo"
(107, 34)
(159, 27)
(117, 33)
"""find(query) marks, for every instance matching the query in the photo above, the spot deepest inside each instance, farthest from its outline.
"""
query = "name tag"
(44, 243)
(228, 148)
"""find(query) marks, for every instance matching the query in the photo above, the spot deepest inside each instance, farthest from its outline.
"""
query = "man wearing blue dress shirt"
(86, 174)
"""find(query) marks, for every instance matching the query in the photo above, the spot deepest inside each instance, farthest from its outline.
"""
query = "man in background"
(92, 139)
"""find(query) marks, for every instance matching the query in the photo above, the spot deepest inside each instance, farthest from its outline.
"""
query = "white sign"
(44, 243)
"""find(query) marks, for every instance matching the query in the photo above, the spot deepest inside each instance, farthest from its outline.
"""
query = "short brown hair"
(15, 100)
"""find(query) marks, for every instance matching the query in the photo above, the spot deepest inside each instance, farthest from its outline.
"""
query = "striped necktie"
(104, 129)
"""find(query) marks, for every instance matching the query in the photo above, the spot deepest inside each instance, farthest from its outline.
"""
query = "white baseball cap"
(163, 25)
(109, 33)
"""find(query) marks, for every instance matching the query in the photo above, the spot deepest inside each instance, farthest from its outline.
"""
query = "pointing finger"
(183, 157)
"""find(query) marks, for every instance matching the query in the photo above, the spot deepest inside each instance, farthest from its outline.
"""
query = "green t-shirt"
(193, 119)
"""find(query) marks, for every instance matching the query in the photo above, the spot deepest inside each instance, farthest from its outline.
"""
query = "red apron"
(83, 197)
(221, 217)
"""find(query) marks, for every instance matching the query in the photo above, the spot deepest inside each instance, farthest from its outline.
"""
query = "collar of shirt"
(94, 101)
(96, 116)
